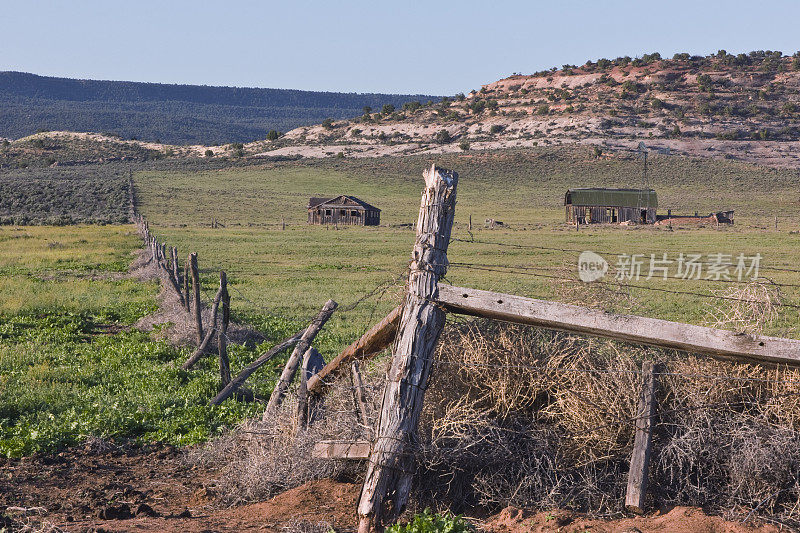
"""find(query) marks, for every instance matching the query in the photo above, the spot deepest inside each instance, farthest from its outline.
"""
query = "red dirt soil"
(105, 488)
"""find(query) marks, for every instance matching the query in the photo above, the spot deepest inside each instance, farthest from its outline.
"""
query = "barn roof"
(612, 197)
(340, 201)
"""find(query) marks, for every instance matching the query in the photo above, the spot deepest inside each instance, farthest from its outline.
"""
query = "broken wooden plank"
(640, 457)
(294, 360)
(377, 339)
(340, 449)
(629, 328)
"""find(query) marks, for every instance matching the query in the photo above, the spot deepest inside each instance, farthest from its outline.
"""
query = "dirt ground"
(102, 487)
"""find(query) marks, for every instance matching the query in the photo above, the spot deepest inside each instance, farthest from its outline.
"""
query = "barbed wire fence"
(757, 395)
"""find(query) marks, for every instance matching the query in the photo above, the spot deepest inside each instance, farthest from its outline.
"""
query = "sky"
(408, 47)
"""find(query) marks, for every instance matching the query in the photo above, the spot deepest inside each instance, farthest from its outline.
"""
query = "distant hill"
(744, 106)
(175, 114)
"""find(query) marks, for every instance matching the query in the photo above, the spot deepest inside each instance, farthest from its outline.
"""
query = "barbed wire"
(527, 271)
(578, 251)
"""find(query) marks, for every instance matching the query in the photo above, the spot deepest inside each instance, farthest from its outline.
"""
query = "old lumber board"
(391, 462)
(239, 380)
(373, 341)
(294, 360)
(640, 457)
(630, 328)
(340, 449)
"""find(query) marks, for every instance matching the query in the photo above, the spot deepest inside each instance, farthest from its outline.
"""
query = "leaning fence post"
(391, 462)
(222, 335)
(198, 319)
(294, 360)
(640, 458)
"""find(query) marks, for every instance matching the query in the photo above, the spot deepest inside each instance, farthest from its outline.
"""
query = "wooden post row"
(390, 467)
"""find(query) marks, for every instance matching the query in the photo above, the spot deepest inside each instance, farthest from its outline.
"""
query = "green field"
(292, 272)
(72, 365)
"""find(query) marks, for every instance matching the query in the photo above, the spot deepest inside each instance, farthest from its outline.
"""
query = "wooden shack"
(596, 206)
(344, 209)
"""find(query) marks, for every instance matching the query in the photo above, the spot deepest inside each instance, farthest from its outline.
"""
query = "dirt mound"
(677, 520)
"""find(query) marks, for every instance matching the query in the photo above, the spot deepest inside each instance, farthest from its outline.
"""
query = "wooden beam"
(391, 463)
(377, 339)
(629, 328)
(640, 457)
(340, 449)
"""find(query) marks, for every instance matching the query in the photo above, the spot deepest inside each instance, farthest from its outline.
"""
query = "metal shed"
(596, 205)
(343, 209)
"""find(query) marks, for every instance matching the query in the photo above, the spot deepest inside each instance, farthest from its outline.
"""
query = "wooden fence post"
(187, 269)
(391, 463)
(294, 360)
(198, 319)
(175, 271)
(640, 458)
(222, 334)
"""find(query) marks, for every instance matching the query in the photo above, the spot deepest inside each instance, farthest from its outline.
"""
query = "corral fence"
(413, 328)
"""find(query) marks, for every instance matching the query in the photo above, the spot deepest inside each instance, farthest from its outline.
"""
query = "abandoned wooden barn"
(595, 206)
(344, 209)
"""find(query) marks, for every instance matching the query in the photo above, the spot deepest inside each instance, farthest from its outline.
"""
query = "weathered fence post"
(187, 269)
(294, 360)
(222, 334)
(198, 319)
(175, 271)
(391, 462)
(640, 458)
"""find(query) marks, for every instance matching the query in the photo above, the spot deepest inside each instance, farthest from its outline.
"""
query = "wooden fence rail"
(636, 329)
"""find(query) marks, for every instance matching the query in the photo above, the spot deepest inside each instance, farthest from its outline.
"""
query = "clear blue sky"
(406, 46)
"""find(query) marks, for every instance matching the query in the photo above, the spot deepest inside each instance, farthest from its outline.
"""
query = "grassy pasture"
(71, 365)
(291, 272)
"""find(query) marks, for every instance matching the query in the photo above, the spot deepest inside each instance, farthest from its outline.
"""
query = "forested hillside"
(176, 114)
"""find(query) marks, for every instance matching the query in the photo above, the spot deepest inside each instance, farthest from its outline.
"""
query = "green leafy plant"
(429, 522)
